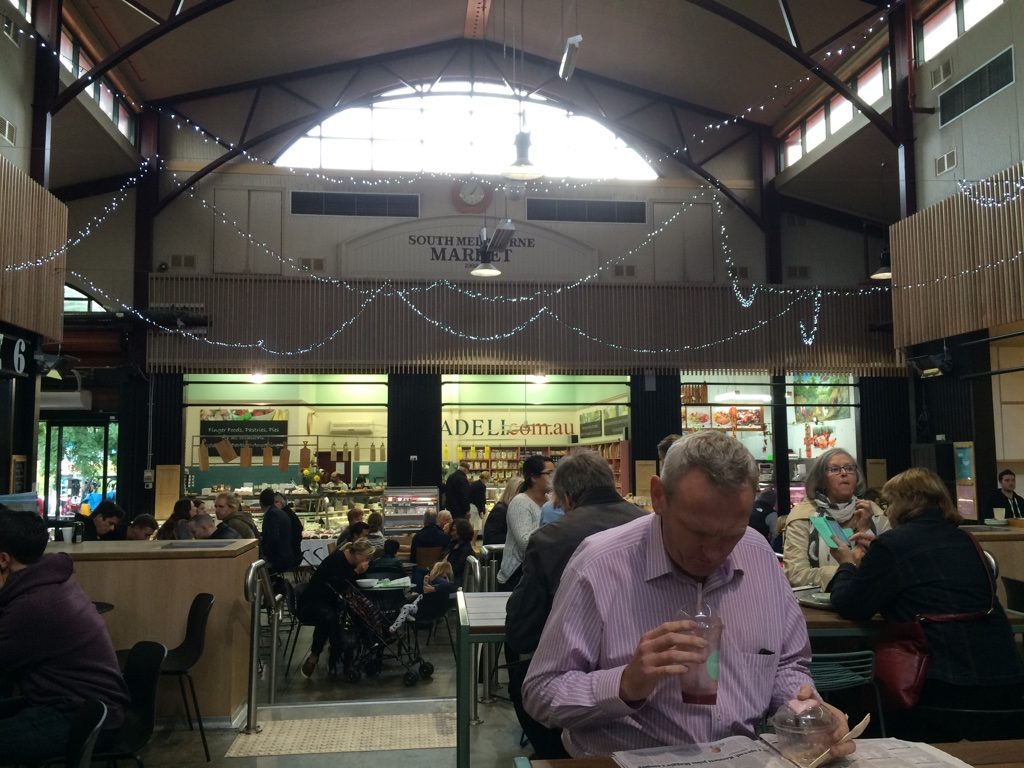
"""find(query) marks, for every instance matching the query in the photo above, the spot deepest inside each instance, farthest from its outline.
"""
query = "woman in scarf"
(832, 486)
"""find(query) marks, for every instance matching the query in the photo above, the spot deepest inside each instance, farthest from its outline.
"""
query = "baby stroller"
(369, 621)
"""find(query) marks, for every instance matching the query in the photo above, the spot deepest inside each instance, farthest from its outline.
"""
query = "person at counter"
(927, 566)
(456, 491)
(204, 527)
(608, 663)
(101, 525)
(496, 526)
(523, 517)
(53, 645)
(176, 526)
(477, 494)
(337, 483)
(318, 603)
(141, 528)
(430, 535)
(833, 484)
(354, 516)
(1004, 497)
(229, 512)
(276, 540)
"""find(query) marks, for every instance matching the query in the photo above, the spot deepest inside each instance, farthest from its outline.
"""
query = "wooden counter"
(1006, 545)
(151, 586)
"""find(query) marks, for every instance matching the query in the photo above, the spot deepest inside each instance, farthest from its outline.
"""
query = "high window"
(462, 127)
(110, 102)
(75, 301)
(948, 22)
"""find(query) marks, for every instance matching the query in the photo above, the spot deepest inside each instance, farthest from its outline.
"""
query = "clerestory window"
(464, 128)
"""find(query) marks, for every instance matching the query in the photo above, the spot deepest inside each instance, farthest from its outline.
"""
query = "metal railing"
(260, 594)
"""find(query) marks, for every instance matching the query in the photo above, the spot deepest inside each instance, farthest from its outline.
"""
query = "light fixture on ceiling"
(884, 271)
(522, 169)
(572, 49)
(735, 396)
(256, 377)
(538, 379)
(929, 366)
(488, 247)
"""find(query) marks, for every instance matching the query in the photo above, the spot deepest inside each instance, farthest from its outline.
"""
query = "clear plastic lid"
(805, 716)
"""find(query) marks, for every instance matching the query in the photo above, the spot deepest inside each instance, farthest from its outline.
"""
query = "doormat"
(347, 734)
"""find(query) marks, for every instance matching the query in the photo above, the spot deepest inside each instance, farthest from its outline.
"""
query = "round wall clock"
(471, 196)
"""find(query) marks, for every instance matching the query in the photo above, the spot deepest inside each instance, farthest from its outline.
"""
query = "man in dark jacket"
(456, 491)
(477, 493)
(430, 535)
(53, 645)
(584, 487)
(101, 524)
(276, 541)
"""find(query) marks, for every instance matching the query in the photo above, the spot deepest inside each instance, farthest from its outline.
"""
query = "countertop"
(151, 550)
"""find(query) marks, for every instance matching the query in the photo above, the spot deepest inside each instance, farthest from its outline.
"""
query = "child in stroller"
(440, 579)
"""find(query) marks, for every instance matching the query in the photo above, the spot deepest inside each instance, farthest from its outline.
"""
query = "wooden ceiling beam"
(477, 13)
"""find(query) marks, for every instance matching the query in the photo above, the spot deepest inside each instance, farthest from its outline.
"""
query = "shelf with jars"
(504, 462)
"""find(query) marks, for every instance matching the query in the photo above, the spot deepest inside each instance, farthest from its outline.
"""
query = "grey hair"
(429, 517)
(230, 499)
(816, 474)
(724, 460)
(444, 515)
(579, 472)
(359, 547)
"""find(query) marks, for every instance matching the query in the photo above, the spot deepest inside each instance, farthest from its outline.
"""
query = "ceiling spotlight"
(884, 271)
(522, 169)
(502, 236)
(572, 49)
(485, 267)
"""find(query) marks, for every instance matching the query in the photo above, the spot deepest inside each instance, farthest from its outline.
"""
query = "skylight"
(461, 127)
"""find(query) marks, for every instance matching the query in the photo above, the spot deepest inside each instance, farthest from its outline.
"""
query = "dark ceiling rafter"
(143, 11)
(726, 147)
(458, 45)
(201, 9)
(855, 24)
(787, 17)
(298, 96)
(813, 67)
(250, 114)
(682, 134)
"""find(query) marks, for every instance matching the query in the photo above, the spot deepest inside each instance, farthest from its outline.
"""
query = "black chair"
(839, 671)
(292, 592)
(85, 728)
(432, 608)
(180, 660)
(1014, 593)
(141, 674)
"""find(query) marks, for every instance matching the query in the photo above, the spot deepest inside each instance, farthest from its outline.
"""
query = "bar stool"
(180, 660)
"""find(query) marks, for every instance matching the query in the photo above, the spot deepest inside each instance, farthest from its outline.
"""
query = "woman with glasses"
(833, 484)
(523, 517)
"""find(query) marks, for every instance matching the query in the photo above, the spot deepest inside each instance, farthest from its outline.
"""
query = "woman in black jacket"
(318, 604)
(927, 565)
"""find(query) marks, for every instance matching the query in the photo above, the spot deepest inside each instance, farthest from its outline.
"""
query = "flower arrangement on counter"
(311, 478)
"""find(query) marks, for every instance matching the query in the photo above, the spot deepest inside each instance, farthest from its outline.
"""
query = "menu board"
(590, 424)
(616, 419)
(696, 417)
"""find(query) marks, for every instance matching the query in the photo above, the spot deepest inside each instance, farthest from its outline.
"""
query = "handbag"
(901, 652)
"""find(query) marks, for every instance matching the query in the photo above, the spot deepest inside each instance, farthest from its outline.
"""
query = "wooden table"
(991, 754)
(481, 620)
(823, 623)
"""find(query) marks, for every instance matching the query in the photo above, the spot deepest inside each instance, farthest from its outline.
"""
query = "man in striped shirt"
(608, 664)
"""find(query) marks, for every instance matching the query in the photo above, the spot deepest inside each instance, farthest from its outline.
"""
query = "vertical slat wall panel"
(33, 224)
(958, 265)
(259, 322)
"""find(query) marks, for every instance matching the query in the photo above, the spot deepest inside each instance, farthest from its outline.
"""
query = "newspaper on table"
(743, 752)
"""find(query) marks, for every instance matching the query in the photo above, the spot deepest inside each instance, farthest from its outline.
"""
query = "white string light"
(807, 337)
(93, 224)
(967, 272)
(986, 192)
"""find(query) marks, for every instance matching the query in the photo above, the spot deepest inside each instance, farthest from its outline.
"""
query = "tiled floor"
(494, 742)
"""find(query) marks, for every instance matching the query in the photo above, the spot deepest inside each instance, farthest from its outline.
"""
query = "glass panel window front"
(793, 148)
(871, 83)
(976, 10)
(815, 133)
(938, 31)
(840, 112)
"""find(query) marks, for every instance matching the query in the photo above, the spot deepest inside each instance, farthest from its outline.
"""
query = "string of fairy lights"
(989, 193)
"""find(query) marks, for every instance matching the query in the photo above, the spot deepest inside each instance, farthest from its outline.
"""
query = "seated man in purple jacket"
(53, 646)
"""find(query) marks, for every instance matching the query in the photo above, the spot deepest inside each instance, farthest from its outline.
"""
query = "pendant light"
(884, 271)
(522, 169)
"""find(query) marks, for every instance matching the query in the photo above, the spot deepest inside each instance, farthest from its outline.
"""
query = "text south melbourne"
(463, 247)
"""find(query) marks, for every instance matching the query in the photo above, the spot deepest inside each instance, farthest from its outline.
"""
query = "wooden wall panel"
(293, 325)
(33, 225)
(957, 265)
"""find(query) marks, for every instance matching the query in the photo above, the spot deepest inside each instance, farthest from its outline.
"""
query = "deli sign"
(504, 428)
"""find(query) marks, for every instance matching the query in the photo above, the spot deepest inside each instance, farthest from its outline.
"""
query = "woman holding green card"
(833, 484)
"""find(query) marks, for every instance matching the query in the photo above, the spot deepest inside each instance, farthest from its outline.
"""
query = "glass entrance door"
(77, 466)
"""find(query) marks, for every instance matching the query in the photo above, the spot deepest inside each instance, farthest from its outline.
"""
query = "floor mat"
(347, 734)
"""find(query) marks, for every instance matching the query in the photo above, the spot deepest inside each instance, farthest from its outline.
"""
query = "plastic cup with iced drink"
(700, 681)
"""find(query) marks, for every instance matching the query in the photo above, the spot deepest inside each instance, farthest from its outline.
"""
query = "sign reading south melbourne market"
(447, 246)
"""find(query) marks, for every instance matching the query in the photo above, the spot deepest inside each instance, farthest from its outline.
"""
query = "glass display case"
(404, 507)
